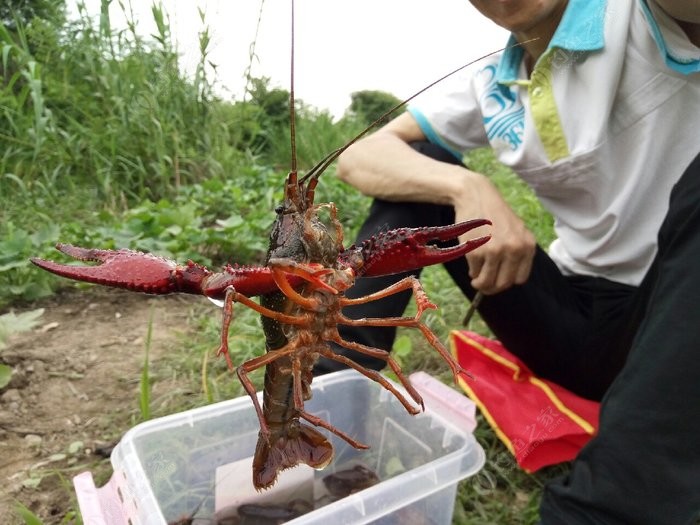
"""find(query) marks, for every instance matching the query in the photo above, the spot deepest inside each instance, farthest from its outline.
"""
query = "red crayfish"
(301, 289)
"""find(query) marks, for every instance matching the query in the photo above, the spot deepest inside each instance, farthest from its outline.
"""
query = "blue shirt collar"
(682, 66)
(581, 29)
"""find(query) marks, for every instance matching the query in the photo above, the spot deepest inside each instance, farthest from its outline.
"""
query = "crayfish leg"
(385, 356)
(311, 273)
(314, 420)
(437, 345)
(422, 303)
(225, 325)
(232, 296)
(378, 378)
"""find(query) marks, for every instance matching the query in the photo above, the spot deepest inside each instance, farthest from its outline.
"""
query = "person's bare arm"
(687, 14)
(383, 165)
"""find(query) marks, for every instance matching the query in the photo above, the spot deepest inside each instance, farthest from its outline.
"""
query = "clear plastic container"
(185, 466)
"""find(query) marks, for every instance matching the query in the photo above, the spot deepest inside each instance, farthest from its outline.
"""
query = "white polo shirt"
(601, 131)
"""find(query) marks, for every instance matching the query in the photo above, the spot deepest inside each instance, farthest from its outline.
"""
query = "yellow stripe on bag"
(463, 384)
(585, 425)
(489, 353)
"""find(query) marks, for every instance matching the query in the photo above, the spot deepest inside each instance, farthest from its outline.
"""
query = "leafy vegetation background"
(104, 142)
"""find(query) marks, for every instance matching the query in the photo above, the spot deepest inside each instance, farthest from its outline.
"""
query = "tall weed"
(87, 105)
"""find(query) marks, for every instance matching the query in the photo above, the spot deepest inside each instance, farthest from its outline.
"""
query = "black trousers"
(636, 348)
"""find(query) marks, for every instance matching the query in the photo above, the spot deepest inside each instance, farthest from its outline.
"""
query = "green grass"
(145, 381)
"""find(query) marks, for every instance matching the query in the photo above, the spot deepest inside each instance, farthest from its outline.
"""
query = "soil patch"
(74, 391)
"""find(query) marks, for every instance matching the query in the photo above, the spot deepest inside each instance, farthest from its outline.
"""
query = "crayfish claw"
(406, 249)
(137, 271)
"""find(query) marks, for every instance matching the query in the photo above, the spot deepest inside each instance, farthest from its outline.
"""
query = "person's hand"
(506, 259)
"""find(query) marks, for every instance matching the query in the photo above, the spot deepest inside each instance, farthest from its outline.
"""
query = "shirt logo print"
(503, 115)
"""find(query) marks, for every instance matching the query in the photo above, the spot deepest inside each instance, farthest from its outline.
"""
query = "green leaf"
(17, 242)
(394, 466)
(174, 230)
(75, 447)
(27, 515)
(24, 321)
(20, 263)
(403, 346)
(145, 383)
(5, 375)
(5, 53)
(232, 222)
(32, 483)
(13, 323)
(47, 234)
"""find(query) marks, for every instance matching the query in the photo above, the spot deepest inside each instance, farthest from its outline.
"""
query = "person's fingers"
(492, 273)
(487, 276)
(524, 268)
(475, 261)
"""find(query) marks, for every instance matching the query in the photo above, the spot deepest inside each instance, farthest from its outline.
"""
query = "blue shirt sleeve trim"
(686, 68)
(430, 133)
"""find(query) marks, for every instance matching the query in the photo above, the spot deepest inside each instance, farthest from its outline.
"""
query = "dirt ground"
(74, 391)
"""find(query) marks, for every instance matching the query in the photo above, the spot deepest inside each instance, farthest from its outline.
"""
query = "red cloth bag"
(540, 422)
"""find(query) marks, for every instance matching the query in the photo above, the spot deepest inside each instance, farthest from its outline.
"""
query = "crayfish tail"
(308, 446)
